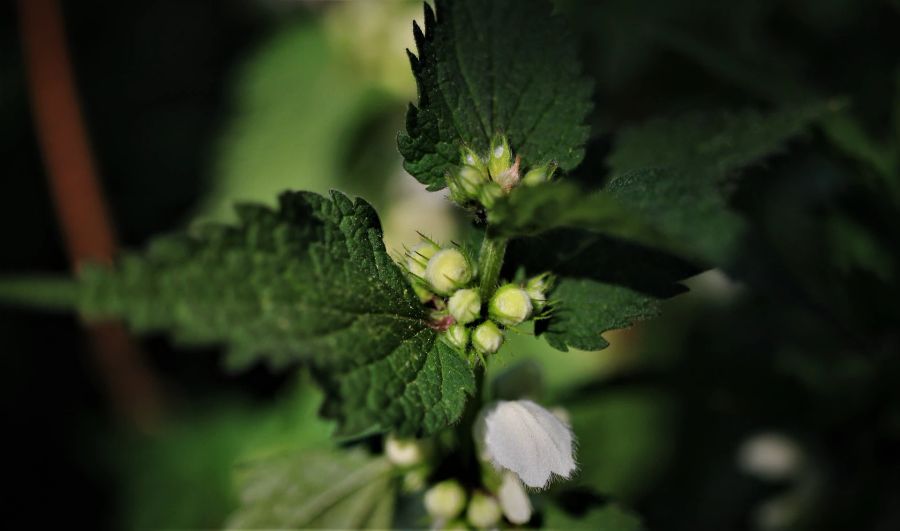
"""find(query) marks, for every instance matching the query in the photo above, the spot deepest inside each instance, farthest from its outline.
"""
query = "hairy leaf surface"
(504, 66)
(315, 490)
(309, 283)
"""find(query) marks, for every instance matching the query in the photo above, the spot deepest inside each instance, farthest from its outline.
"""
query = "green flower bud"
(537, 288)
(487, 338)
(470, 180)
(403, 452)
(500, 158)
(447, 271)
(458, 336)
(421, 291)
(457, 194)
(510, 178)
(540, 174)
(465, 305)
(510, 305)
(489, 194)
(445, 500)
(483, 511)
(417, 257)
(414, 480)
(468, 157)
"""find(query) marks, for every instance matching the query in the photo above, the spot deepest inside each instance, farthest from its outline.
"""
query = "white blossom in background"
(525, 438)
(514, 500)
(770, 456)
(403, 452)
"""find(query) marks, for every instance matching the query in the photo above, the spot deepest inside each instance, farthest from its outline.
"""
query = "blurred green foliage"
(182, 476)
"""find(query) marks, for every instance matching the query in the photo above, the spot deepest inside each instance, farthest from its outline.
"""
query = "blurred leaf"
(531, 210)
(545, 377)
(180, 477)
(309, 283)
(629, 432)
(687, 206)
(609, 517)
(322, 490)
(506, 66)
(710, 143)
(299, 102)
(853, 247)
(848, 135)
(674, 171)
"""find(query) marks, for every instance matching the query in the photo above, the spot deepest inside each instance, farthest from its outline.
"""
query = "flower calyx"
(480, 180)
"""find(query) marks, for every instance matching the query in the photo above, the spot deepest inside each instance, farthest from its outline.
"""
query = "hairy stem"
(490, 260)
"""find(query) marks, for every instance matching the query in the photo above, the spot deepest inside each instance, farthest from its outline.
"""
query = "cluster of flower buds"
(447, 280)
(448, 504)
(451, 507)
(519, 443)
(483, 180)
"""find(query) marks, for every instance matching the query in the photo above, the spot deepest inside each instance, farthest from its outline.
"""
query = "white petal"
(529, 440)
(514, 500)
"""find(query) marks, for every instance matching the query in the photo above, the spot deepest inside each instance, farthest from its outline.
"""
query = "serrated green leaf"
(420, 387)
(605, 283)
(586, 309)
(505, 66)
(321, 490)
(309, 283)
(609, 517)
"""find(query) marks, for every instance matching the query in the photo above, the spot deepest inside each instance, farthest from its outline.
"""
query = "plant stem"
(80, 205)
(490, 260)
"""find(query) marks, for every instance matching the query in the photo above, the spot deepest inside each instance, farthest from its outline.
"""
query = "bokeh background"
(766, 398)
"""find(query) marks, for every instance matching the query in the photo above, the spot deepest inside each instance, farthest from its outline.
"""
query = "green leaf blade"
(714, 142)
(322, 490)
(494, 67)
(533, 210)
(310, 283)
(604, 283)
(586, 309)
(677, 173)
(418, 388)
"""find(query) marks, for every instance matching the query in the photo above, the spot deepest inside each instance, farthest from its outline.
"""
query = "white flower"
(770, 456)
(514, 500)
(525, 438)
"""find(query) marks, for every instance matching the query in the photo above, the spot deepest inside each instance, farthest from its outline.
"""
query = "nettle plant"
(399, 344)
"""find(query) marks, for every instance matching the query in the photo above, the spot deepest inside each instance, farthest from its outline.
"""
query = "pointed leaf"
(309, 283)
(504, 66)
